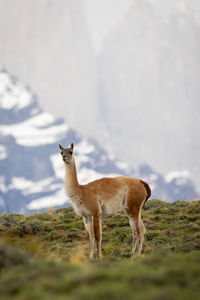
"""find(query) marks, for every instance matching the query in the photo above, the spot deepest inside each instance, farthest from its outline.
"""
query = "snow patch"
(176, 175)
(182, 181)
(20, 183)
(42, 119)
(13, 95)
(31, 132)
(153, 177)
(58, 165)
(81, 159)
(121, 165)
(3, 153)
(30, 187)
(58, 198)
(84, 147)
(3, 187)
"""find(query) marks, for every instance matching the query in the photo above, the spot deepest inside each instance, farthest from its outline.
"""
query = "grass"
(44, 256)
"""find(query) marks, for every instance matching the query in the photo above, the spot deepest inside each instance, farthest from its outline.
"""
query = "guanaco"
(104, 197)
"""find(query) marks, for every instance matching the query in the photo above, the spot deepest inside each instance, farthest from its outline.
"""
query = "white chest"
(71, 188)
(79, 209)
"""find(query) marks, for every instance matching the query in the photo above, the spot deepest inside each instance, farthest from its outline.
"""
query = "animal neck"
(71, 182)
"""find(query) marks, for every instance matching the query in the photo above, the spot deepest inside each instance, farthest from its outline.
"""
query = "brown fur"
(106, 196)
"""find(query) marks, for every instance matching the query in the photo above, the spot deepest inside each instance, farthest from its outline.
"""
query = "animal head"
(67, 153)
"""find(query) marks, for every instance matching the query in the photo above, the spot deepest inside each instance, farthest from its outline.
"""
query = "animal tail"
(148, 189)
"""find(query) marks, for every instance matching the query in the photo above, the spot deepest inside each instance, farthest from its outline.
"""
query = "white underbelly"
(113, 205)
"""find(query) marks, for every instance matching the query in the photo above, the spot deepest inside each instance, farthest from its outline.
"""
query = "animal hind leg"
(89, 228)
(136, 232)
(141, 236)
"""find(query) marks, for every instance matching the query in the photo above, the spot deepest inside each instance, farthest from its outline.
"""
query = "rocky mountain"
(149, 90)
(31, 169)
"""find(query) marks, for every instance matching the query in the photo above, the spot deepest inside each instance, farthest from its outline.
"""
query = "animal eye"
(61, 153)
(70, 152)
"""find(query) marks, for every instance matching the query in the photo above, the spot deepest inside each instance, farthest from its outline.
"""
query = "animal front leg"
(89, 228)
(98, 234)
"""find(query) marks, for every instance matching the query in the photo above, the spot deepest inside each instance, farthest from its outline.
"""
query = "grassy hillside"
(44, 256)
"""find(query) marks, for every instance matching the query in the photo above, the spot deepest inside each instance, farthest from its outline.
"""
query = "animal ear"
(72, 146)
(61, 148)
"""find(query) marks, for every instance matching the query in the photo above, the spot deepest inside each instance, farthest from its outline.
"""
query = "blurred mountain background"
(149, 74)
(124, 74)
(32, 170)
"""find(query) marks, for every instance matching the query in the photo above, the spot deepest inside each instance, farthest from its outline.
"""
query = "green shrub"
(150, 235)
(57, 236)
(51, 236)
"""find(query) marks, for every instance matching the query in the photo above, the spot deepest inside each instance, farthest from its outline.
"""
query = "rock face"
(149, 76)
(46, 44)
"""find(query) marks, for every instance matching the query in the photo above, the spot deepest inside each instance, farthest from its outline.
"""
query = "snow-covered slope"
(31, 169)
